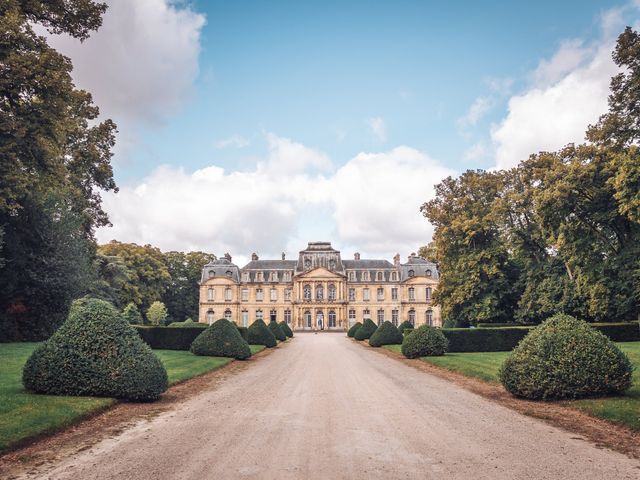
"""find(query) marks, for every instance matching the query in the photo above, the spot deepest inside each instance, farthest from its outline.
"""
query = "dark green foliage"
(259, 334)
(221, 339)
(186, 324)
(566, 358)
(407, 331)
(619, 332)
(386, 334)
(500, 339)
(354, 328)
(425, 341)
(95, 352)
(170, 338)
(287, 330)
(277, 331)
(244, 332)
(367, 329)
(403, 325)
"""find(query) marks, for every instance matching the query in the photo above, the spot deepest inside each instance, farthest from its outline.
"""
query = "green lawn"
(485, 366)
(24, 415)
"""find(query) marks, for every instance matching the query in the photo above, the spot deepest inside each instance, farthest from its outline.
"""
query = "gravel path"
(323, 406)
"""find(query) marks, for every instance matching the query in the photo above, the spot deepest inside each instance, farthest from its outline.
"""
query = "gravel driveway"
(323, 406)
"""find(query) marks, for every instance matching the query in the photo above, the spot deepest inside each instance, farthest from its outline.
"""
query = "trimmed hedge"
(425, 341)
(259, 334)
(366, 330)
(566, 358)
(405, 324)
(168, 338)
(407, 331)
(221, 339)
(277, 331)
(244, 333)
(619, 332)
(286, 329)
(354, 328)
(386, 334)
(95, 352)
(186, 324)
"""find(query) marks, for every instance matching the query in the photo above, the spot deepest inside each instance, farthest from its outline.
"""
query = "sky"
(254, 126)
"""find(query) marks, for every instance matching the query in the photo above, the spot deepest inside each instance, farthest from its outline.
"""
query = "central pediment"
(319, 273)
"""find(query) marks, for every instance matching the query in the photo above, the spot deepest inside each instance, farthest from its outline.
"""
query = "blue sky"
(259, 126)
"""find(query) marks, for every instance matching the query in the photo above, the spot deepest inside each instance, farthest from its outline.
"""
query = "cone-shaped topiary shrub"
(277, 331)
(425, 341)
(386, 334)
(221, 339)
(354, 328)
(366, 330)
(403, 325)
(286, 329)
(259, 334)
(565, 358)
(95, 352)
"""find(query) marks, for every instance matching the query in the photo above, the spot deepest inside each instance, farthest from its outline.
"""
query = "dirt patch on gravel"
(600, 432)
(112, 421)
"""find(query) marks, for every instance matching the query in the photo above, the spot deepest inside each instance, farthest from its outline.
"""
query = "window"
(394, 293)
(273, 295)
(245, 294)
(211, 294)
(412, 293)
(332, 264)
(245, 276)
(394, 317)
(352, 315)
(307, 292)
(365, 294)
(287, 317)
(245, 318)
(412, 317)
(380, 294)
(428, 273)
(273, 315)
(228, 294)
(258, 314)
(259, 296)
(428, 294)
(286, 276)
(352, 276)
(274, 276)
(332, 319)
(210, 316)
(287, 294)
(394, 276)
(380, 316)
(352, 294)
(227, 314)
(411, 273)
(259, 277)
(365, 276)
(379, 276)
(366, 314)
(332, 292)
(212, 274)
(429, 317)
(307, 319)
(229, 273)
(319, 292)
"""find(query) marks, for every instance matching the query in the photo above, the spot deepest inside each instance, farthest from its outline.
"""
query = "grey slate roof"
(270, 265)
(420, 267)
(221, 267)
(366, 264)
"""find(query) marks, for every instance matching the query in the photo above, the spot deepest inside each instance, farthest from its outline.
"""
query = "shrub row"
(168, 338)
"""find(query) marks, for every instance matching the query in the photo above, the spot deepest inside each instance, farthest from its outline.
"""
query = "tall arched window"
(412, 317)
(210, 316)
(380, 316)
(307, 292)
(429, 317)
(332, 319)
(332, 291)
(307, 319)
(211, 294)
(227, 314)
(428, 293)
(319, 292)
(273, 315)
(412, 293)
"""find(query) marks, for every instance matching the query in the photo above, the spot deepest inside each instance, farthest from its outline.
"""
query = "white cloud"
(378, 129)
(475, 152)
(141, 64)
(571, 55)
(372, 202)
(478, 108)
(234, 141)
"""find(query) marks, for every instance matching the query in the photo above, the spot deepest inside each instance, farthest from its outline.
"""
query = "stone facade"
(320, 290)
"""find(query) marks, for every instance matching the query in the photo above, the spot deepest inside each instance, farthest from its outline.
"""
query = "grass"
(24, 415)
(486, 366)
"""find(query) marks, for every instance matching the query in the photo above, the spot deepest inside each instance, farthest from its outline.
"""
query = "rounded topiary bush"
(277, 331)
(95, 352)
(259, 334)
(221, 339)
(425, 341)
(565, 358)
(386, 334)
(286, 329)
(352, 331)
(366, 330)
(403, 325)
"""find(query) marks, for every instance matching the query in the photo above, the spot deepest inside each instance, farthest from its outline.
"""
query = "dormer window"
(394, 276)
(411, 273)
(274, 276)
(212, 274)
(379, 276)
(352, 276)
(287, 276)
(259, 277)
(428, 273)
(365, 276)
(245, 277)
(229, 273)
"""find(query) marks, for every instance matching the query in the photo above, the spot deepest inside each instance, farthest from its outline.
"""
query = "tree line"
(558, 233)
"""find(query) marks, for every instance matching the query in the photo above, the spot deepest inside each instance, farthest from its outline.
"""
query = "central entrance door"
(320, 320)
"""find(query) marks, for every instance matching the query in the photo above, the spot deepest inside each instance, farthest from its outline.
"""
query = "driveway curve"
(323, 406)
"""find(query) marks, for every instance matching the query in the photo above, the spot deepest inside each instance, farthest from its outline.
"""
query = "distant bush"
(566, 358)
(95, 352)
(132, 315)
(405, 324)
(367, 329)
(186, 324)
(386, 334)
(287, 330)
(259, 334)
(277, 331)
(157, 313)
(352, 331)
(424, 341)
(221, 339)
(244, 332)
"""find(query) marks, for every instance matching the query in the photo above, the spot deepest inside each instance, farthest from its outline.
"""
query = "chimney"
(412, 256)
(356, 256)
(396, 259)
(227, 256)
(254, 256)
(283, 255)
